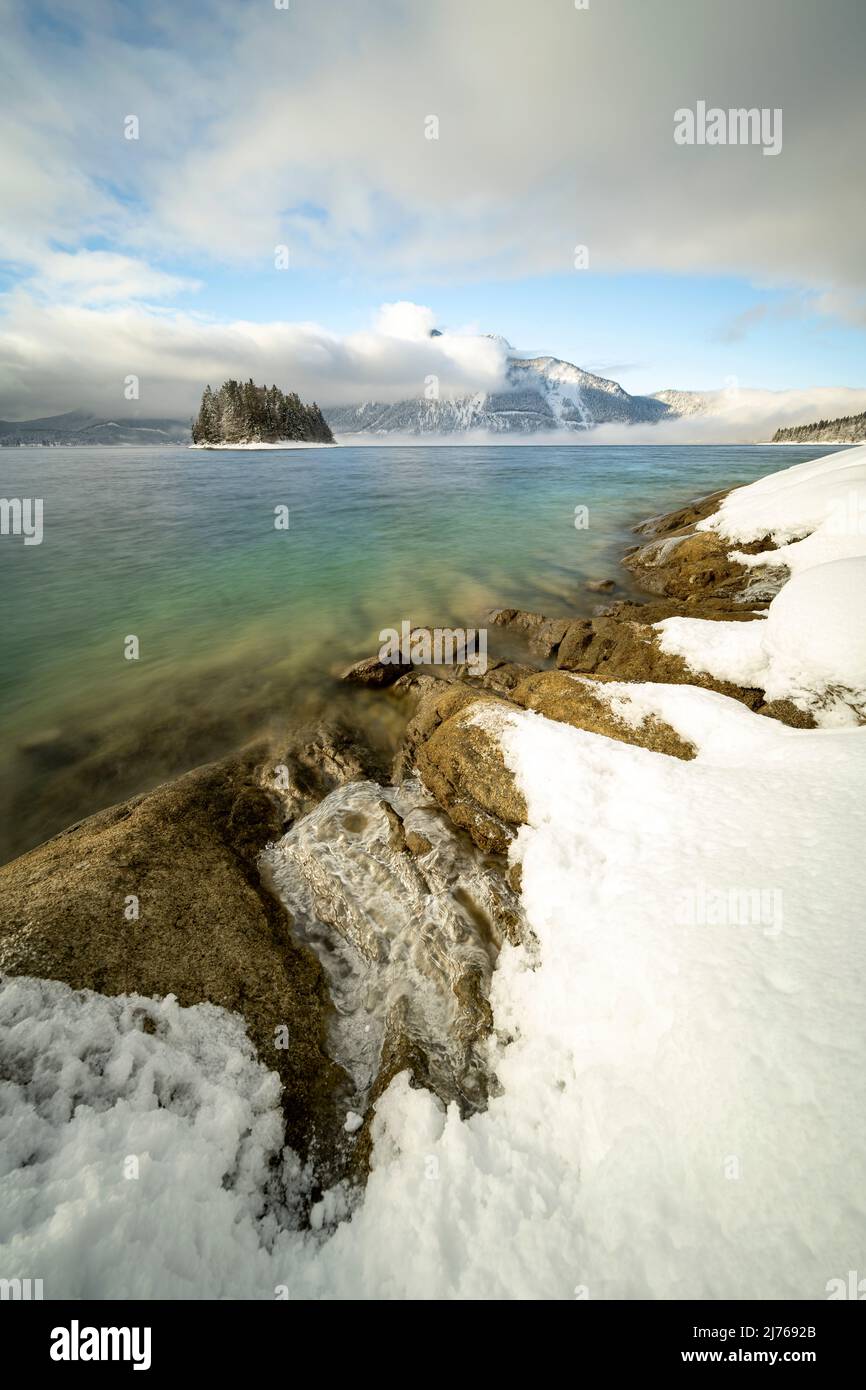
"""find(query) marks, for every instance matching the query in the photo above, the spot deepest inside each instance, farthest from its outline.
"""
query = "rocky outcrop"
(695, 567)
(543, 634)
(461, 763)
(559, 696)
(611, 648)
(162, 895)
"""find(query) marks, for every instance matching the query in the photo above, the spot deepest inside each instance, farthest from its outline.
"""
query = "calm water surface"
(240, 624)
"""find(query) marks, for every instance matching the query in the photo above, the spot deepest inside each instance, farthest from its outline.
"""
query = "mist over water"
(242, 626)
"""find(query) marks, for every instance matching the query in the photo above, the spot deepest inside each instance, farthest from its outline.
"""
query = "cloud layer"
(53, 357)
(307, 128)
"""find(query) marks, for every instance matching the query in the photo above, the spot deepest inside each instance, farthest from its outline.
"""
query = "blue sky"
(309, 128)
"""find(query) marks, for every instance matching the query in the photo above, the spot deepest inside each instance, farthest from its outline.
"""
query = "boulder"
(610, 648)
(161, 895)
(461, 764)
(560, 696)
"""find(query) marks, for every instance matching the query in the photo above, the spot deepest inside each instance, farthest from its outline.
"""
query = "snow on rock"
(812, 647)
(136, 1140)
(682, 1102)
(823, 499)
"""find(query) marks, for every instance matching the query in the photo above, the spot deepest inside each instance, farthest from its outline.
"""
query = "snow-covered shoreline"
(681, 1110)
(279, 444)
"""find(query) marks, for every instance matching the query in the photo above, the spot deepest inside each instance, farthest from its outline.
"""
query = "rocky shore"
(239, 883)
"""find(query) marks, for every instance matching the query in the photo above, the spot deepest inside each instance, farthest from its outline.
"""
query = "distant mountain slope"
(78, 428)
(541, 394)
(687, 403)
(850, 429)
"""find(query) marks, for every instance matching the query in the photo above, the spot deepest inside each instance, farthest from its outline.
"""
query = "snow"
(681, 1109)
(811, 648)
(280, 444)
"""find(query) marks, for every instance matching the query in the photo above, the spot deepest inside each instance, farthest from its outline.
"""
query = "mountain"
(685, 403)
(78, 428)
(243, 413)
(541, 394)
(850, 429)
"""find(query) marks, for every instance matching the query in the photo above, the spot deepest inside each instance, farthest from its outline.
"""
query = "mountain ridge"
(540, 394)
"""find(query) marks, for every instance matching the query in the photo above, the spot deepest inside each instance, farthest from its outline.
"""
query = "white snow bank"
(683, 1107)
(814, 512)
(812, 647)
(134, 1164)
(683, 1103)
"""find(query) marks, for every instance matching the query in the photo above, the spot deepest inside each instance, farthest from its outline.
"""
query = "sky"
(282, 207)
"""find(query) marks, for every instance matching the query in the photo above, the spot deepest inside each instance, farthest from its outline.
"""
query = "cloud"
(306, 126)
(741, 416)
(104, 277)
(56, 356)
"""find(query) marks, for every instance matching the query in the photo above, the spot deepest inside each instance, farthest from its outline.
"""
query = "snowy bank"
(811, 648)
(681, 1099)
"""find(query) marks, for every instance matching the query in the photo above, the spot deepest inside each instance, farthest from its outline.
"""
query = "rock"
(423, 932)
(207, 929)
(681, 566)
(315, 758)
(612, 649)
(601, 586)
(373, 672)
(684, 518)
(417, 844)
(461, 763)
(502, 676)
(559, 696)
(543, 634)
(437, 703)
(788, 713)
(683, 563)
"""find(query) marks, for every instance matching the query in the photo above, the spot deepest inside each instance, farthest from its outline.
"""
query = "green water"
(242, 625)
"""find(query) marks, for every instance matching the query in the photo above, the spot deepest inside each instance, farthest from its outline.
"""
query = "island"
(241, 413)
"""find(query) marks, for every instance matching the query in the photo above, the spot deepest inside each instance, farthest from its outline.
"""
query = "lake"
(242, 625)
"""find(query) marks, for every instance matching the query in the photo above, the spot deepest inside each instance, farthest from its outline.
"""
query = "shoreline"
(456, 820)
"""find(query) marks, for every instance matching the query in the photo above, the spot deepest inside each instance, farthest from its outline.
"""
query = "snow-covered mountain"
(79, 427)
(540, 394)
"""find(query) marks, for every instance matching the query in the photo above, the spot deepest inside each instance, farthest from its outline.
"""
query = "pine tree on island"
(243, 413)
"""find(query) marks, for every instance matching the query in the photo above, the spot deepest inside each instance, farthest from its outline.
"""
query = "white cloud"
(556, 127)
(55, 356)
(103, 277)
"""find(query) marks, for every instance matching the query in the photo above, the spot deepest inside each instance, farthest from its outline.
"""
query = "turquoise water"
(241, 624)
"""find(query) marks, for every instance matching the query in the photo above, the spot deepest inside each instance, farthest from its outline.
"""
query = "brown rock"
(462, 766)
(373, 672)
(207, 929)
(558, 696)
(612, 649)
